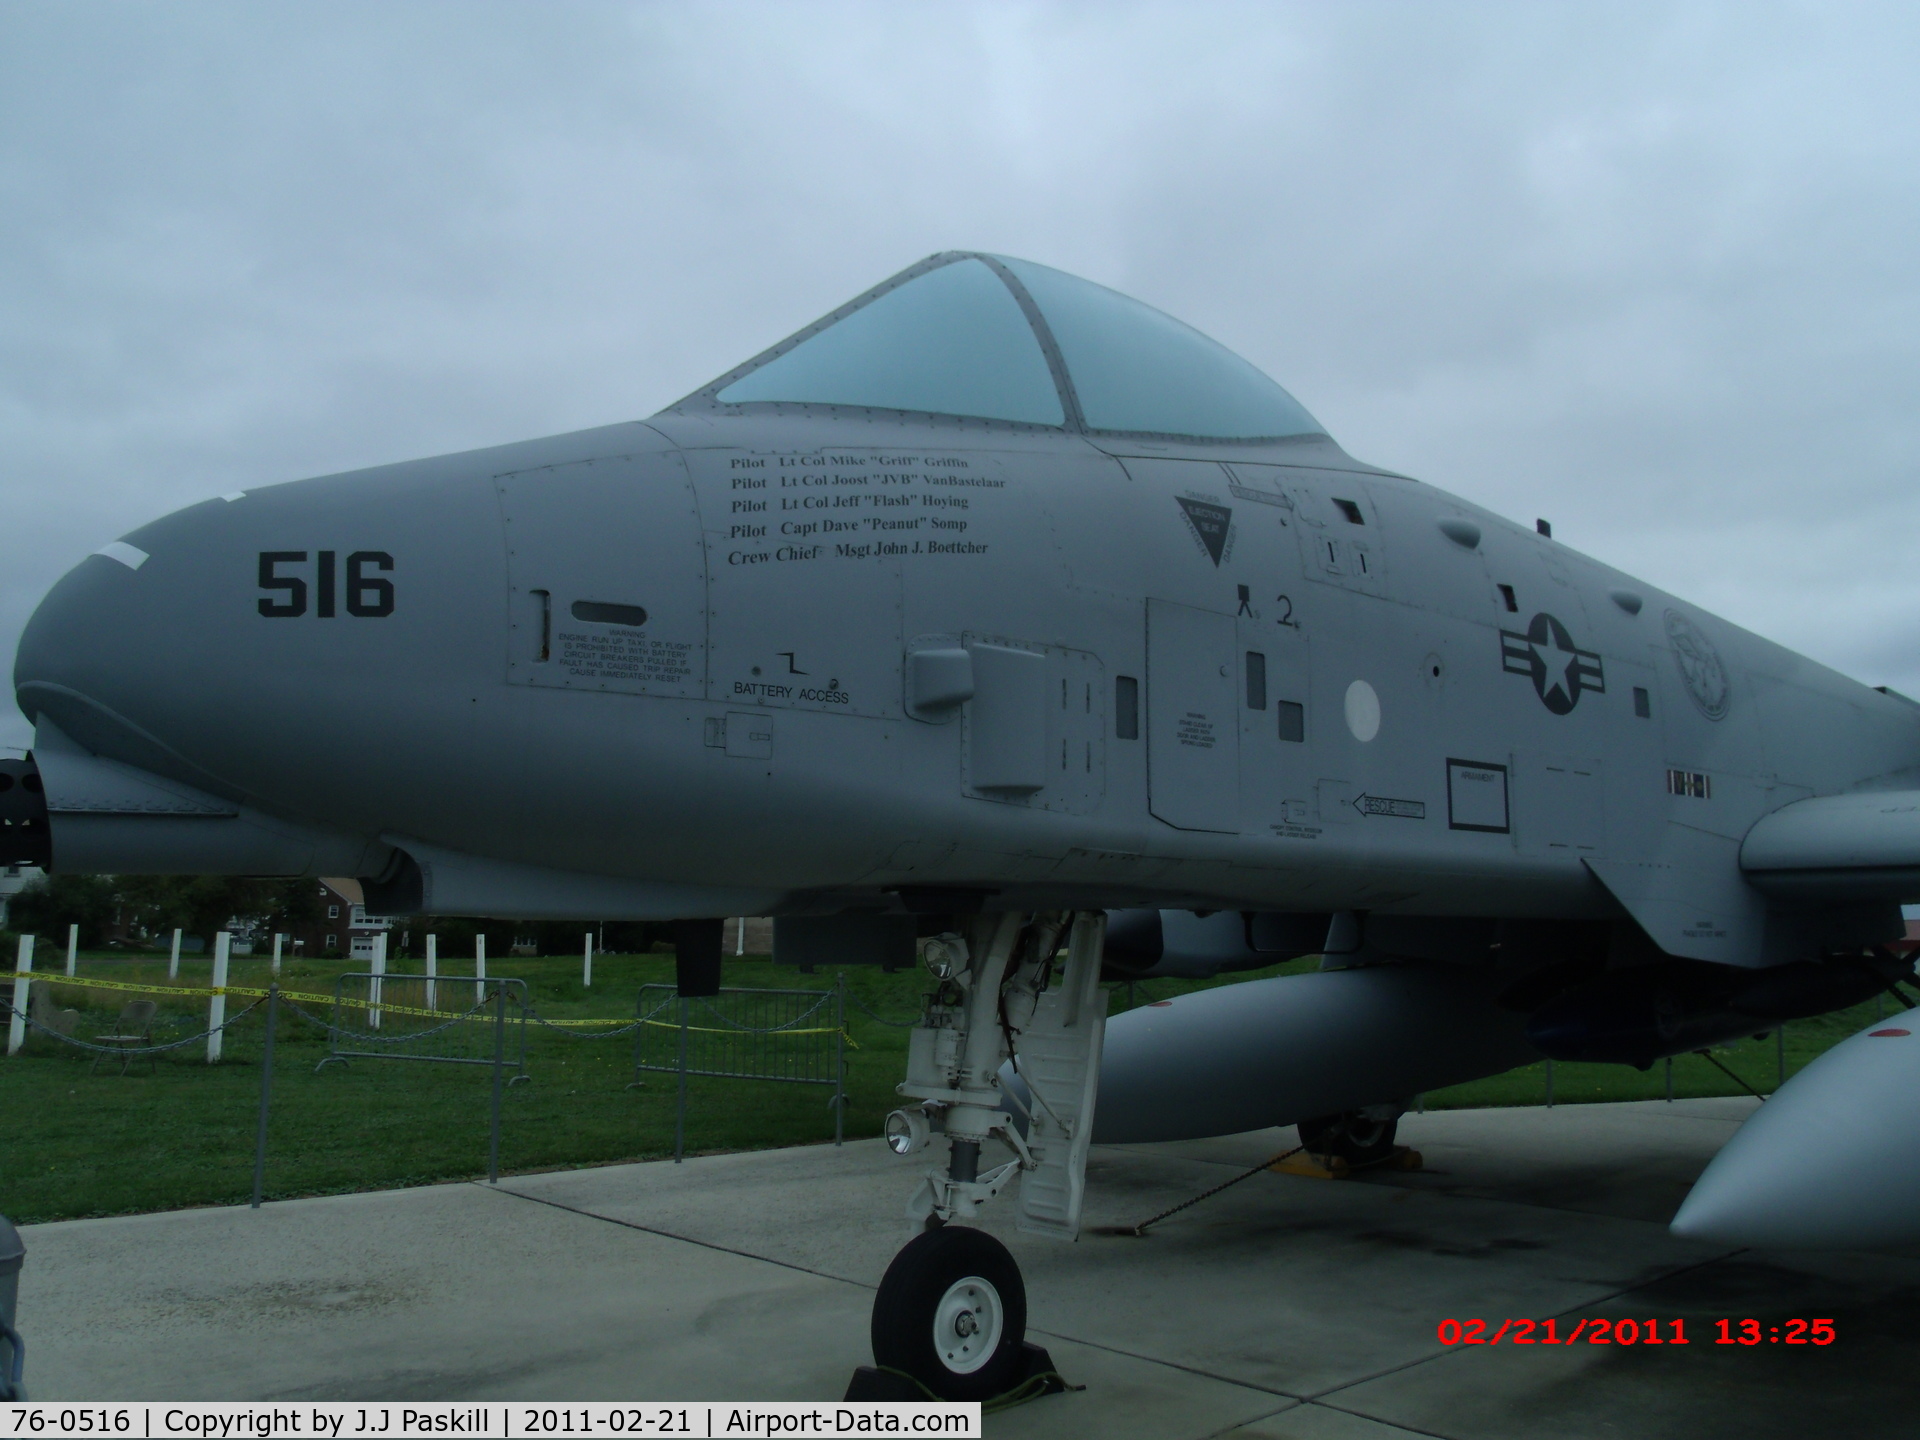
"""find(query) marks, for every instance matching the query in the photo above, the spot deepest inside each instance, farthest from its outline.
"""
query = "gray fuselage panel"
(1252, 676)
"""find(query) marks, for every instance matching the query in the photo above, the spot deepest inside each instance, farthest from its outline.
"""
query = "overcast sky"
(1649, 271)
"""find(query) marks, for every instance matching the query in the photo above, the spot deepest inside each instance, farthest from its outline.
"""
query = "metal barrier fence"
(395, 1017)
(793, 1036)
(797, 1036)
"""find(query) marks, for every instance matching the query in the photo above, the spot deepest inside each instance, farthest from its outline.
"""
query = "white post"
(17, 1026)
(173, 963)
(277, 938)
(740, 935)
(586, 973)
(479, 969)
(379, 968)
(433, 968)
(217, 1008)
(73, 948)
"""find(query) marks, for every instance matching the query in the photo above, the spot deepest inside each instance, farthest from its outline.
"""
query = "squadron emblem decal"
(1561, 671)
(1700, 668)
(1212, 525)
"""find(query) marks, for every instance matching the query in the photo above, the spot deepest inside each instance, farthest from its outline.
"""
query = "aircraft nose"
(111, 642)
(236, 640)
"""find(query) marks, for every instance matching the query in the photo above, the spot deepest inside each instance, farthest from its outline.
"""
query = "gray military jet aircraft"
(1000, 618)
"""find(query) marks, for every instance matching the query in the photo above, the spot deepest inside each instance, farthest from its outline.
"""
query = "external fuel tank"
(1273, 1052)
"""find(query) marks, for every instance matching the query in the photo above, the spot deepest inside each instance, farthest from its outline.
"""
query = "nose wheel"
(1360, 1137)
(952, 1313)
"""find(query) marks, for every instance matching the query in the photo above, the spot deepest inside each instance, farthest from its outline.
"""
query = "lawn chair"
(133, 1030)
(42, 1012)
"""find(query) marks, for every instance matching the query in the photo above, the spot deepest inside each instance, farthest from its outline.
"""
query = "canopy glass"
(992, 338)
(951, 341)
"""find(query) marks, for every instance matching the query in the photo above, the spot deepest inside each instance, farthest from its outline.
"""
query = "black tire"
(1352, 1136)
(917, 1298)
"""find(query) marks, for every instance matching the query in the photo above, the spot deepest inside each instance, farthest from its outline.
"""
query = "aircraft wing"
(1859, 847)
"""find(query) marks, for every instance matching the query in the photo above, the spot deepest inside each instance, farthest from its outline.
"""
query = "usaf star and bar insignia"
(1560, 670)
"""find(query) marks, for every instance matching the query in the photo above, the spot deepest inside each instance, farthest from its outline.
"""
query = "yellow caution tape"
(295, 995)
(385, 1007)
(134, 987)
(368, 1005)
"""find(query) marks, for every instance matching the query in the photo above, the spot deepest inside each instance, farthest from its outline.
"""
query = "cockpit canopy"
(986, 337)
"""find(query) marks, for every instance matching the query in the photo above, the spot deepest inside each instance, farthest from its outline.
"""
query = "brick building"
(344, 927)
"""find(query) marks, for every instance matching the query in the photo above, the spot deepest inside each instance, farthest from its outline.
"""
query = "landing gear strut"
(952, 1310)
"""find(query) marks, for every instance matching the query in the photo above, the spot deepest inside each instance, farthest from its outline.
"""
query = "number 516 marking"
(367, 595)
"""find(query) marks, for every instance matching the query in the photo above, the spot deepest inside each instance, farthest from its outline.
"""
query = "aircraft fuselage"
(1249, 676)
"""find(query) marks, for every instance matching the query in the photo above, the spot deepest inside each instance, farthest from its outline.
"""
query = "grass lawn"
(80, 1144)
(1755, 1061)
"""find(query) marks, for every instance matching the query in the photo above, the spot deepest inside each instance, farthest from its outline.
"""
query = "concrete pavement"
(1284, 1307)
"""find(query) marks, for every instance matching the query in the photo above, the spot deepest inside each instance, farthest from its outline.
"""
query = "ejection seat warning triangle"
(1210, 524)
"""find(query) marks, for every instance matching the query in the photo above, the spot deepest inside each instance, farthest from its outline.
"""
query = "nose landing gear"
(950, 1318)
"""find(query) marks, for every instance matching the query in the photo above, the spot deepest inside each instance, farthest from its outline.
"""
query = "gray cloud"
(1645, 270)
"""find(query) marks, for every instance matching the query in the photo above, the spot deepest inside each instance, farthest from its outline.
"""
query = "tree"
(293, 904)
(53, 902)
(202, 904)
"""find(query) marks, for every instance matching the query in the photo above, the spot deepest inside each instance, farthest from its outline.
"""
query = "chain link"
(477, 1012)
(571, 1034)
(228, 1023)
(861, 1005)
(374, 1036)
(731, 1024)
(1139, 1231)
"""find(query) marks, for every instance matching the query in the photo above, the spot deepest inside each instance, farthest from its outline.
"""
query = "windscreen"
(952, 341)
(1135, 368)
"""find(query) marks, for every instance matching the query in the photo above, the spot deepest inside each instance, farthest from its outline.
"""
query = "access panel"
(1193, 728)
(1034, 732)
(607, 577)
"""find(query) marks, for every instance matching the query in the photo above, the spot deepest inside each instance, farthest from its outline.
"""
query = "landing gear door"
(1060, 1061)
(1193, 723)
(606, 577)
